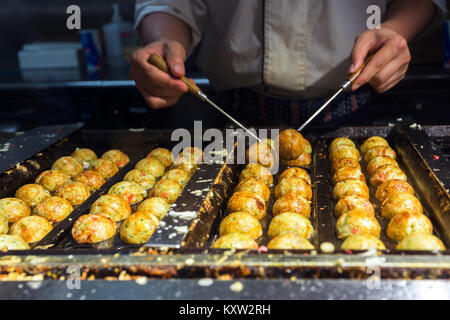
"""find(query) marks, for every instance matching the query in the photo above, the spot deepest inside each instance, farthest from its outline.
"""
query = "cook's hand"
(389, 63)
(158, 88)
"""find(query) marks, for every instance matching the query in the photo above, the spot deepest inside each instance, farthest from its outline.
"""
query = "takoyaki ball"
(380, 151)
(261, 153)
(386, 173)
(344, 151)
(12, 242)
(192, 153)
(255, 170)
(249, 202)
(362, 242)
(168, 189)
(344, 162)
(357, 221)
(118, 157)
(106, 168)
(91, 179)
(352, 202)
(93, 228)
(372, 142)
(235, 241)
(294, 185)
(130, 191)
(32, 194)
(400, 202)
(111, 206)
(85, 156)
(178, 175)
(151, 166)
(186, 163)
(303, 160)
(421, 242)
(54, 209)
(350, 187)
(75, 192)
(406, 223)
(138, 228)
(290, 144)
(292, 202)
(348, 173)
(290, 241)
(378, 162)
(290, 222)
(144, 179)
(296, 172)
(241, 222)
(68, 165)
(162, 155)
(3, 224)
(342, 141)
(31, 229)
(14, 209)
(255, 186)
(390, 187)
(156, 206)
(52, 179)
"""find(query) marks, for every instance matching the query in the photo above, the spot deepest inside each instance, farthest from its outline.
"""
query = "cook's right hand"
(159, 89)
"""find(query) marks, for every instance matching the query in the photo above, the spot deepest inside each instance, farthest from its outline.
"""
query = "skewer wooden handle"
(355, 74)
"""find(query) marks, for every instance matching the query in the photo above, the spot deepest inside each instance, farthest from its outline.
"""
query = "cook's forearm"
(409, 17)
(163, 26)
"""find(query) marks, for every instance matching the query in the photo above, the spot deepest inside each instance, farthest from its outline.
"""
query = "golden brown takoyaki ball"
(261, 153)
(54, 209)
(168, 189)
(344, 162)
(372, 142)
(119, 158)
(254, 170)
(294, 185)
(406, 223)
(112, 206)
(68, 165)
(144, 179)
(32, 194)
(297, 172)
(350, 187)
(235, 241)
(75, 192)
(178, 175)
(290, 144)
(421, 242)
(357, 221)
(106, 168)
(255, 186)
(344, 151)
(163, 155)
(91, 179)
(93, 228)
(380, 151)
(362, 242)
(399, 202)
(52, 179)
(388, 188)
(186, 163)
(290, 222)
(151, 166)
(287, 241)
(138, 228)
(303, 160)
(386, 173)
(241, 222)
(378, 162)
(352, 202)
(14, 209)
(192, 153)
(249, 202)
(12, 242)
(156, 206)
(85, 156)
(130, 191)
(31, 229)
(348, 173)
(341, 141)
(3, 225)
(292, 202)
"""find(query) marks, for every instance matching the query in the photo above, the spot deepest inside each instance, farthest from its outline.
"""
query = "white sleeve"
(192, 12)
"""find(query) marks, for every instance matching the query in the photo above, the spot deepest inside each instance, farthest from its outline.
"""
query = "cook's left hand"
(389, 62)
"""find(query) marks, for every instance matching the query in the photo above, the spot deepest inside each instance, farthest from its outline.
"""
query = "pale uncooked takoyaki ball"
(341, 141)
(386, 173)
(388, 188)
(344, 162)
(3, 225)
(151, 166)
(54, 209)
(421, 242)
(32, 194)
(380, 151)
(187, 164)
(112, 206)
(352, 202)
(91, 179)
(241, 222)
(93, 228)
(85, 156)
(372, 142)
(130, 191)
(348, 173)
(357, 221)
(255, 170)
(169, 190)
(292, 202)
(68, 165)
(350, 187)
(378, 162)
(192, 153)
(249, 202)
(163, 155)
(52, 179)
(178, 175)
(400, 202)
(138, 228)
(75, 192)
(362, 241)
(235, 241)
(290, 241)
(290, 222)
(293, 185)
(144, 179)
(296, 172)
(406, 223)
(12, 242)
(31, 229)
(14, 209)
(255, 186)
(106, 168)
(119, 158)
(156, 206)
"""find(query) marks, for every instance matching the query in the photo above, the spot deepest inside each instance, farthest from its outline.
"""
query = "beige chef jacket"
(294, 48)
